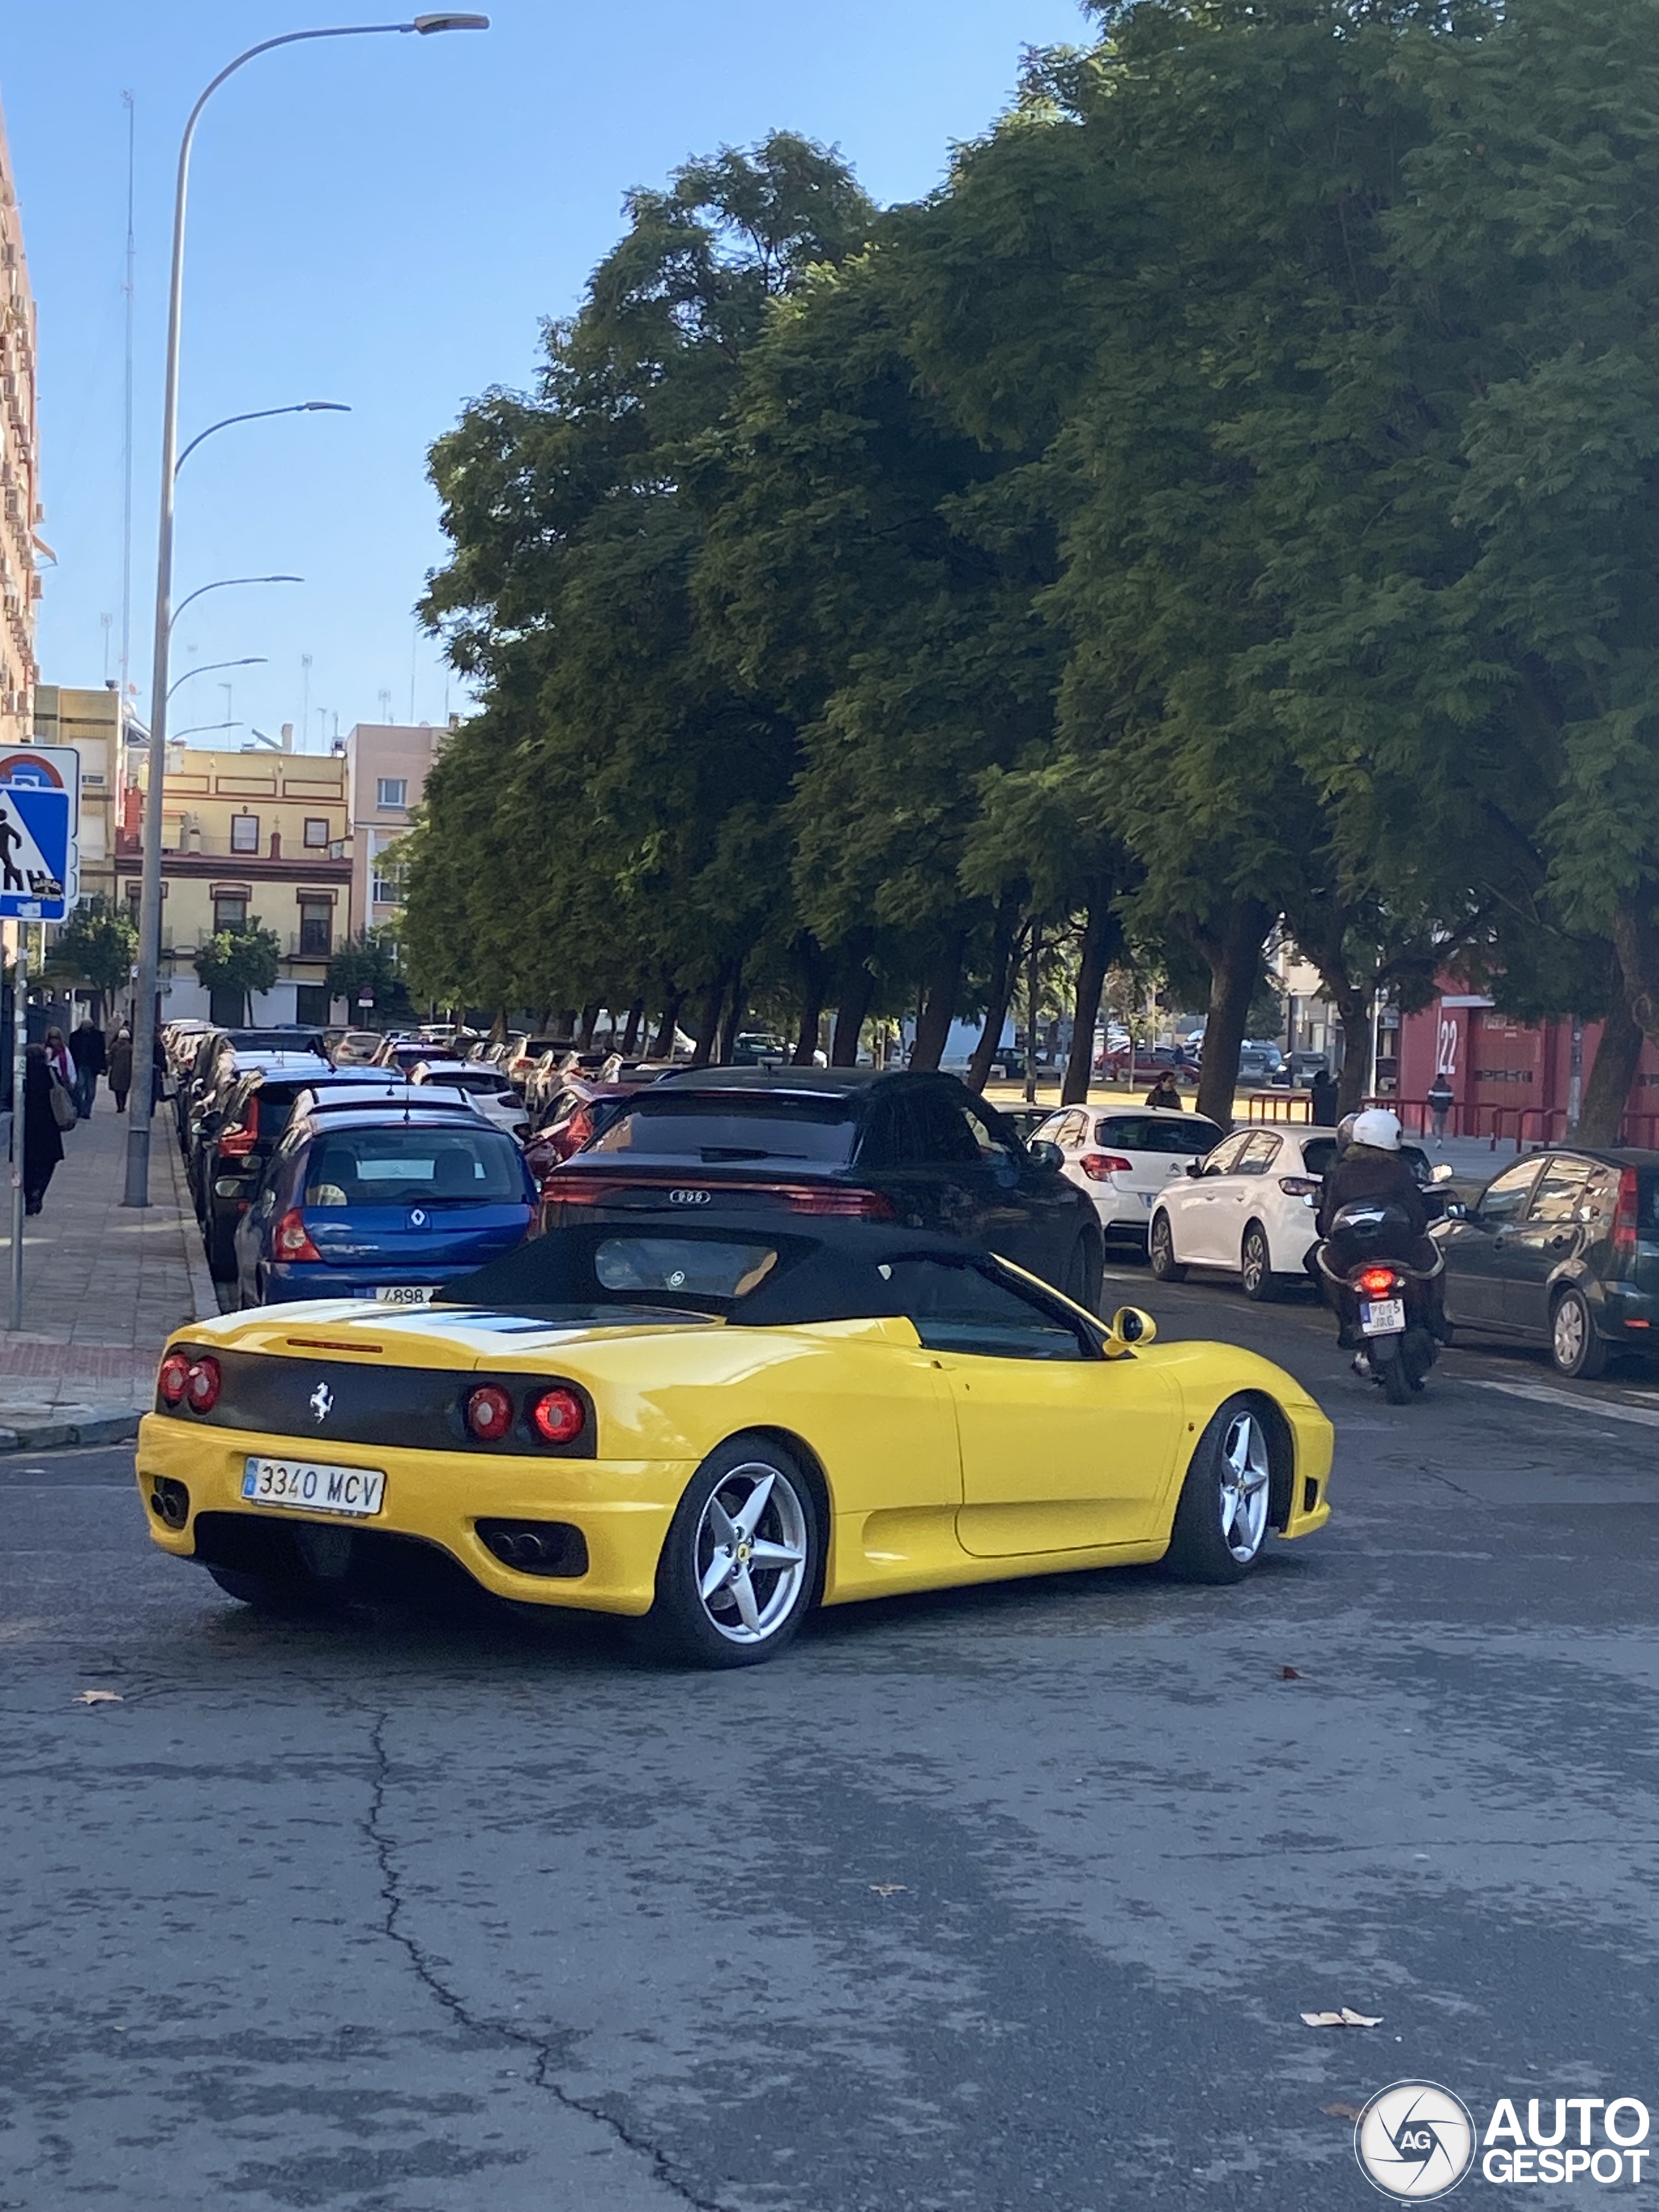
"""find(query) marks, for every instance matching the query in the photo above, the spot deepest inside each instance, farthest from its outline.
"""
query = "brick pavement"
(103, 1285)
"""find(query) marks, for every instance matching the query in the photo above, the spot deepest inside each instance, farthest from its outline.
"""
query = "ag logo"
(1415, 2140)
(689, 1197)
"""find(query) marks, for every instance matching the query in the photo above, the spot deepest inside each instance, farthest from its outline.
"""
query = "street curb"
(96, 1429)
(204, 1295)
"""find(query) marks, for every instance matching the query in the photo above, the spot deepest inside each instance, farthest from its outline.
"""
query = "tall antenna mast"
(126, 438)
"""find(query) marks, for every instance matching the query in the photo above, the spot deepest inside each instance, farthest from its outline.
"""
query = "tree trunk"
(1234, 954)
(814, 984)
(857, 991)
(708, 1021)
(939, 1005)
(1005, 965)
(1102, 940)
(630, 1039)
(1612, 1072)
(734, 1012)
(662, 1045)
(1353, 1011)
(589, 1023)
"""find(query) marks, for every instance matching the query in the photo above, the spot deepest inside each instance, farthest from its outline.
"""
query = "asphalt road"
(999, 1899)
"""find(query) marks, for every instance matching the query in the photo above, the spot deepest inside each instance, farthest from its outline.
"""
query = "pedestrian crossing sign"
(38, 790)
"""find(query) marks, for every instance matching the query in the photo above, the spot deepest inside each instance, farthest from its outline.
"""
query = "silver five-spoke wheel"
(1246, 1475)
(751, 1552)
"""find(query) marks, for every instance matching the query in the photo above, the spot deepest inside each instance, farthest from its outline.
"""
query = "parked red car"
(577, 1107)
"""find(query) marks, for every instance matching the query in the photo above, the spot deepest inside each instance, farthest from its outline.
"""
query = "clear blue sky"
(385, 221)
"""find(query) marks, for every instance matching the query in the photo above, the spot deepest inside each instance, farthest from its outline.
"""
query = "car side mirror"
(1129, 1325)
(1194, 1169)
(1042, 1154)
(1456, 1211)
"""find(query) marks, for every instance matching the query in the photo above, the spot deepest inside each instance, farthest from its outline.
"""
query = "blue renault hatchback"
(378, 1205)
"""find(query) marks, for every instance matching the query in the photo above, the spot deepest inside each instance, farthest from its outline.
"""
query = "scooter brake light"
(1377, 1282)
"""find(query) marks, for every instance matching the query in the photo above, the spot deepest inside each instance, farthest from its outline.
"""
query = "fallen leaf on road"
(888, 1889)
(98, 1697)
(1343, 2019)
(1290, 1674)
(1340, 2112)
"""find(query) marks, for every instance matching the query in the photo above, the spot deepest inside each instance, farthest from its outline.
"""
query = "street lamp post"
(150, 912)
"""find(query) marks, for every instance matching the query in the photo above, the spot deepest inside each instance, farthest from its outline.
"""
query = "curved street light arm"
(259, 415)
(252, 661)
(224, 585)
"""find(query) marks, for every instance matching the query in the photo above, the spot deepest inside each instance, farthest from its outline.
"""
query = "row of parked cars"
(315, 1174)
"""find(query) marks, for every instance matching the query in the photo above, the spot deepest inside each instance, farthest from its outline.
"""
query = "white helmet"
(1377, 1127)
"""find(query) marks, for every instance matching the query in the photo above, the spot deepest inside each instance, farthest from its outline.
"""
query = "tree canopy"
(1224, 507)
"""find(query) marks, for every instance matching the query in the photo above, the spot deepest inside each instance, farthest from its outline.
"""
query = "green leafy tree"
(98, 946)
(368, 964)
(246, 959)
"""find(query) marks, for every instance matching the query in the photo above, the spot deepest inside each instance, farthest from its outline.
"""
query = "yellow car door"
(1061, 1450)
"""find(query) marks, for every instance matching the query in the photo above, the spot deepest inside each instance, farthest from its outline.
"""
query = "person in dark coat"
(1374, 1167)
(43, 1141)
(87, 1051)
(1442, 1099)
(120, 1067)
(1322, 1095)
(1166, 1092)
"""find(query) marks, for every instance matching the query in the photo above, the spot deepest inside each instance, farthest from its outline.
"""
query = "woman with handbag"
(43, 1140)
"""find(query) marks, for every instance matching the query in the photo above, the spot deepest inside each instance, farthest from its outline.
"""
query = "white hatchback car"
(1250, 1208)
(1124, 1157)
(486, 1088)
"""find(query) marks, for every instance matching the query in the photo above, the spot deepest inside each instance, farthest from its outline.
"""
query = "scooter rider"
(1372, 1167)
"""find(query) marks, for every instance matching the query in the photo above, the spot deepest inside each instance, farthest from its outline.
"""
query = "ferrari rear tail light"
(202, 1385)
(557, 1416)
(174, 1377)
(293, 1239)
(1377, 1282)
(489, 1413)
(1098, 1165)
(1627, 1219)
(237, 1144)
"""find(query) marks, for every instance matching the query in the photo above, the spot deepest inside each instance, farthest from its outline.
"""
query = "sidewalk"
(103, 1285)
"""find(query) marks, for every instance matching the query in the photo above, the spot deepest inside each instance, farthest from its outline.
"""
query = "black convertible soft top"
(823, 1270)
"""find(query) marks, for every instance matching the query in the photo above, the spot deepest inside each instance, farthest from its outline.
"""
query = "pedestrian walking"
(1166, 1092)
(59, 1060)
(158, 1070)
(43, 1141)
(1442, 1099)
(120, 1067)
(1322, 1094)
(91, 1057)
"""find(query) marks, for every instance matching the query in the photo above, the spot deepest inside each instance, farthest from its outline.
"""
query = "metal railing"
(1500, 1125)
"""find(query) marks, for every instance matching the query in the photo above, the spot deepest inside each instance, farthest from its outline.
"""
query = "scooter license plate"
(1383, 1317)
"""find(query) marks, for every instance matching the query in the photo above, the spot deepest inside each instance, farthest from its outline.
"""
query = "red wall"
(1510, 1078)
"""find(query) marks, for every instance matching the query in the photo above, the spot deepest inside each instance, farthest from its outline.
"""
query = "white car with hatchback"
(1248, 1207)
(487, 1088)
(1124, 1159)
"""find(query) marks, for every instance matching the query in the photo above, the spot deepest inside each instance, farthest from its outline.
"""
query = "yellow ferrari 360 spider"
(717, 1429)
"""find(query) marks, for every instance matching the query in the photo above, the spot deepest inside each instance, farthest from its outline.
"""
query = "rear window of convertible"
(691, 1267)
(667, 1126)
(413, 1166)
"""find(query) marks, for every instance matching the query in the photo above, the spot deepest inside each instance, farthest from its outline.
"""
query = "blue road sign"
(34, 852)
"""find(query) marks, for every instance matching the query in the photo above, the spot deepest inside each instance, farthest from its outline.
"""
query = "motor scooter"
(1386, 1297)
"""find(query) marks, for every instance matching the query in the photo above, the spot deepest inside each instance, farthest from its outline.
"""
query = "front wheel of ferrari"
(740, 1565)
(1221, 1520)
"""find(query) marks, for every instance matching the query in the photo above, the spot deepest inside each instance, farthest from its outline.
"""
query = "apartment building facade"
(19, 498)
(247, 836)
(387, 764)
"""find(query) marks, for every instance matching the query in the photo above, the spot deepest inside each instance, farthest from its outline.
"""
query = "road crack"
(543, 2052)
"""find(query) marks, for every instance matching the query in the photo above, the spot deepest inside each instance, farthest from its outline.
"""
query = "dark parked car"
(918, 1148)
(194, 1077)
(238, 1133)
(1562, 1250)
(381, 1204)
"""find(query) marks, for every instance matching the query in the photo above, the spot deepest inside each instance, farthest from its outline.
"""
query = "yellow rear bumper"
(622, 1507)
